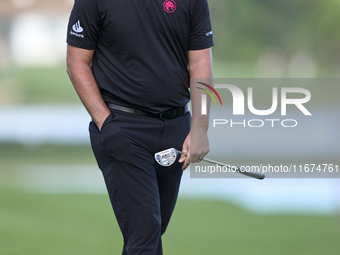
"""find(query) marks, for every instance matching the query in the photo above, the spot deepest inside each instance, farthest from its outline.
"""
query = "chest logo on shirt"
(169, 6)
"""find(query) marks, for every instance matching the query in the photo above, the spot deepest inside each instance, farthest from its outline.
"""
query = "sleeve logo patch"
(77, 29)
(169, 6)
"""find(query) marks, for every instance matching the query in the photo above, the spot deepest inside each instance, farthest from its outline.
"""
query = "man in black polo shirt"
(132, 63)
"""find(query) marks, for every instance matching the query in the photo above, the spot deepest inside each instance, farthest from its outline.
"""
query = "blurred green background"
(253, 38)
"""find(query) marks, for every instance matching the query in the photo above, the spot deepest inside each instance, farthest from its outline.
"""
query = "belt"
(169, 114)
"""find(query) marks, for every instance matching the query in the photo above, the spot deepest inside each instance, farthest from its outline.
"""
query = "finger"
(194, 158)
(184, 153)
(186, 163)
(182, 158)
(199, 157)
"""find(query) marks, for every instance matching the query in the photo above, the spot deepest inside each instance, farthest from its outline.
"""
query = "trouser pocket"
(115, 139)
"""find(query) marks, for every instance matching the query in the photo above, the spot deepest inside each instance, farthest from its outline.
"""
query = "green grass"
(57, 224)
(213, 227)
(54, 224)
(84, 224)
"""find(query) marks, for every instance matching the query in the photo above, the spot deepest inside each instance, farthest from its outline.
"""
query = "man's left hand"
(196, 150)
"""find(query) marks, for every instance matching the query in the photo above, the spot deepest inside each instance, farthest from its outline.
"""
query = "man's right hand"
(100, 121)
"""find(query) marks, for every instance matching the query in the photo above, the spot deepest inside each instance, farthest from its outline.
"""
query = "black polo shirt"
(141, 47)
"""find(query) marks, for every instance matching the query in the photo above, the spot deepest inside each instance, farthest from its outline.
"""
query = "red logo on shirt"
(169, 6)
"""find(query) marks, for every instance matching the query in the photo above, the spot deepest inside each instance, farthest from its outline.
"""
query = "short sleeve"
(84, 24)
(201, 36)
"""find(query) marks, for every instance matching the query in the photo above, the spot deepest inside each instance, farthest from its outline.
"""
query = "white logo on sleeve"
(209, 33)
(77, 28)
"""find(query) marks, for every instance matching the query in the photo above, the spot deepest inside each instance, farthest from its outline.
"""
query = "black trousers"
(143, 194)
